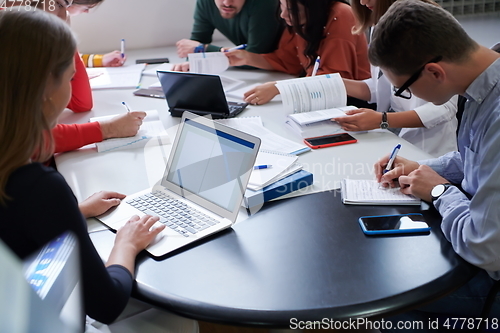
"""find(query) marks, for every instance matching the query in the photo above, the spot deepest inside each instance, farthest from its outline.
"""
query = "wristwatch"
(384, 124)
(438, 190)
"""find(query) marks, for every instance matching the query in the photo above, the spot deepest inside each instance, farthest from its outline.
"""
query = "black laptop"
(201, 94)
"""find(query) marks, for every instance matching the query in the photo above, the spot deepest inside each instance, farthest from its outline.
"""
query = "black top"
(41, 207)
(304, 258)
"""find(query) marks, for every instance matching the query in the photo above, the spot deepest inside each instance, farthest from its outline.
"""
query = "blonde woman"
(36, 204)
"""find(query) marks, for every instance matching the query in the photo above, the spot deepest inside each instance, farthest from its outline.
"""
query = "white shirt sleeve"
(432, 115)
(372, 85)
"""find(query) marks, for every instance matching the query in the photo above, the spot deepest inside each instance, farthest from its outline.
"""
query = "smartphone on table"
(329, 140)
(152, 61)
(394, 224)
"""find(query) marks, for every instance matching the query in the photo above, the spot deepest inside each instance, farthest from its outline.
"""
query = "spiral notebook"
(282, 165)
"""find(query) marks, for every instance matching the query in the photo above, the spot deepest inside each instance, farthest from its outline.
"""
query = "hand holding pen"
(388, 175)
(392, 157)
(124, 125)
(239, 47)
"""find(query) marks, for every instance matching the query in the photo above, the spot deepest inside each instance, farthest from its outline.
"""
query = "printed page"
(312, 93)
(115, 77)
(208, 63)
(365, 192)
(305, 118)
(269, 140)
(151, 70)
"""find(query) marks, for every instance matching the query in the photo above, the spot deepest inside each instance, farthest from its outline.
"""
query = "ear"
(435, 71)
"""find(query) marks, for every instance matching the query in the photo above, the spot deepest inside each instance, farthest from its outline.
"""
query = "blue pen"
(264, 166)
(394, 154)
(122, 46)
(316, 66)
(239, 47)
(126, 106)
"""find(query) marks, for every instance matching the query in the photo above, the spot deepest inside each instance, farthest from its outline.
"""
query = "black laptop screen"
(191, 91)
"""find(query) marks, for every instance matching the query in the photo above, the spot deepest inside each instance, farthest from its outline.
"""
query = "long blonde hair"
(35, 46)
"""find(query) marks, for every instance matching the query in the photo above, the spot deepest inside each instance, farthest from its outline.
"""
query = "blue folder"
(283, 186)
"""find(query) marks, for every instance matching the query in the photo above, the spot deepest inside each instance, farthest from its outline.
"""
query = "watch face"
(438, 190)
(384, 125)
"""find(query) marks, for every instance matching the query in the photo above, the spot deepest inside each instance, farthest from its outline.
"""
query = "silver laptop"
(202, 188)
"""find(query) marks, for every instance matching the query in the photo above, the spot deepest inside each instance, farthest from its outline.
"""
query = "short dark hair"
(413, 32)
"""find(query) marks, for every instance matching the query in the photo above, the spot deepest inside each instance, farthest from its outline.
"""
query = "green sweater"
(255, 25)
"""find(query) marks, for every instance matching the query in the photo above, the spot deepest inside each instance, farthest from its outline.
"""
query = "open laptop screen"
(192, 91)
(211, 163)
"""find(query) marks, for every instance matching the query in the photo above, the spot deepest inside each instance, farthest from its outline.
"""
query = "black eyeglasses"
(403, 91)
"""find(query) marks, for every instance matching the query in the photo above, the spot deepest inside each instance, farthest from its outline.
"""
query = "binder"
(275, 190)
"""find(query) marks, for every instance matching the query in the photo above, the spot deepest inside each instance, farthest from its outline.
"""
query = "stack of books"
(280, 175)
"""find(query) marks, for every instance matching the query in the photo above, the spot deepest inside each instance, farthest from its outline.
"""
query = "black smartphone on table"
(394, 224)
(152, 61)
(329, 140)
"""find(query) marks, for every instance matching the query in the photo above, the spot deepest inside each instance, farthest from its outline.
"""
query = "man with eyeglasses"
(435, 60)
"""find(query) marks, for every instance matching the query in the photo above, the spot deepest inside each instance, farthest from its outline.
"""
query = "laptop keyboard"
(173, 213)
(234, 108)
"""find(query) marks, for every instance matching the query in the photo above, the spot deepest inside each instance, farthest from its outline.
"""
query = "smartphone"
(329, 140)
(394, 224)
(152, 61)
(150, 93)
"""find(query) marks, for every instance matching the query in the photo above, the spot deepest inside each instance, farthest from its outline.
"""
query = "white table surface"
(130, 171)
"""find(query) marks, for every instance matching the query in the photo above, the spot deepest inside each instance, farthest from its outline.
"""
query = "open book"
(152, 132)
(311, 102)
(368, 192)
(312, 93)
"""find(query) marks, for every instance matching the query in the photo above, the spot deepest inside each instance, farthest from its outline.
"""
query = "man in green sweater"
(251, 22)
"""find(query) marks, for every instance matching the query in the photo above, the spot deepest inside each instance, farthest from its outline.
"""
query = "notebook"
(205, 179)
(115, 77)
(151, 133)
(368, 192)
(201, 94)
(282, 165)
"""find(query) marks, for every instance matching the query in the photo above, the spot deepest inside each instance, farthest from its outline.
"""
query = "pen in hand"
(393, 156)
(126, 106)
(239, 47)
(316, 66)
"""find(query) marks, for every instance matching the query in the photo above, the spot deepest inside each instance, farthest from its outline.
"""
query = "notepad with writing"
(152, 132)
(368, 192)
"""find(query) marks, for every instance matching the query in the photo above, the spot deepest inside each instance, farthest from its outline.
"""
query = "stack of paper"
(282, 165)
(115, 77)
(151, 132)
(269, 140)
